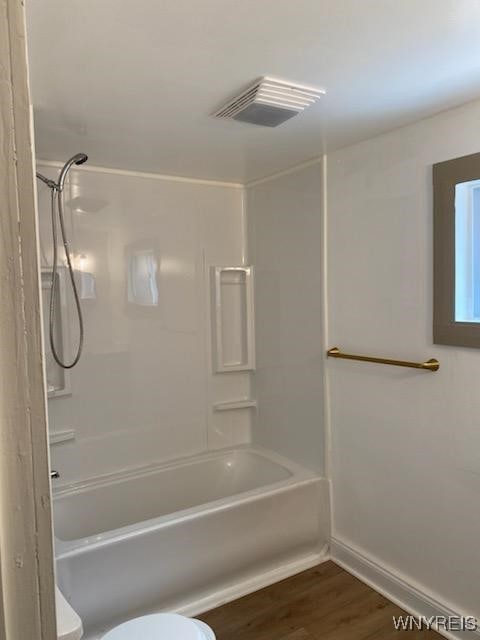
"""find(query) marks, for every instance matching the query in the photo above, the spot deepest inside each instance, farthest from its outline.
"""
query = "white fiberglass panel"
(285, 246)
(143, 390)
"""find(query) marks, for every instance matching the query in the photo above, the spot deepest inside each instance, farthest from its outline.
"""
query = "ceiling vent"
(269, 102)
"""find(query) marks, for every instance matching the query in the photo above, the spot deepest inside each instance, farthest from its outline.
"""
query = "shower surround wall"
(143, 390)
(284, 216)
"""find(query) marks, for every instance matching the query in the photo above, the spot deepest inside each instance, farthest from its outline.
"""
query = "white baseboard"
(395, 588)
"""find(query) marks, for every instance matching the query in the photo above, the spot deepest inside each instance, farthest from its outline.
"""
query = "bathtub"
(185, 536)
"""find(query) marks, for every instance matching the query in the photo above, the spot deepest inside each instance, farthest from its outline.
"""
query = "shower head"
(78, 158)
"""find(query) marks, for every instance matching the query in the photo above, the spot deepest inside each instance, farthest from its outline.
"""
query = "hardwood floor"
(323, 603)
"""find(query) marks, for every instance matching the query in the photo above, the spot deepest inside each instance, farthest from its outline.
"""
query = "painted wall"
(405, 444)
(143, 390)
(284, 239)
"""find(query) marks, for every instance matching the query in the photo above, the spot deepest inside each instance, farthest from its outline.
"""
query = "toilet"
(69, 624)
(157, 626)
(161, 626)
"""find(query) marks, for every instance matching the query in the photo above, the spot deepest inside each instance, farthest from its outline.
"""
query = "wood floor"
(323, 603)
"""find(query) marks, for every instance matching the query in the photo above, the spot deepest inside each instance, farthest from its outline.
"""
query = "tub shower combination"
(186, 536)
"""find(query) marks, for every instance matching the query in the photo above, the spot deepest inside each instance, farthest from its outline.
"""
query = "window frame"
(446, 175)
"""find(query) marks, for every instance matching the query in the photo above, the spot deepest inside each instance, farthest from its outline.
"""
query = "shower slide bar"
(429, 365)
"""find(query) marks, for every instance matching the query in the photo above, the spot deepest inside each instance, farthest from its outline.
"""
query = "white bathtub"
(187, 535)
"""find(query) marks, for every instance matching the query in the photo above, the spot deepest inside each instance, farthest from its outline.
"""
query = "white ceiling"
(133, 84)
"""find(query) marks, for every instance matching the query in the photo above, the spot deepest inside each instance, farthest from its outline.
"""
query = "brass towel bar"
(429, 365)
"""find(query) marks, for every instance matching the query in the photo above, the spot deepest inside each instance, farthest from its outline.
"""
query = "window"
(467, 251)
(456, 197)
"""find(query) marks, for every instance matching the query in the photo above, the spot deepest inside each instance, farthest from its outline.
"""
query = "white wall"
(143, 390)
(405, 444)
(284, 239)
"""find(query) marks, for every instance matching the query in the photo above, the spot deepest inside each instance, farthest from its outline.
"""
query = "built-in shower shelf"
(233, 319)
(54, 392)
(56, 437)
(246, 403)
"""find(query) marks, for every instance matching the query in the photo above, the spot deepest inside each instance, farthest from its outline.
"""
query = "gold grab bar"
(429, 365)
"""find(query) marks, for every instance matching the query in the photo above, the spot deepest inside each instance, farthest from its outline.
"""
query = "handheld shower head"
(78, 158)
(57, 209)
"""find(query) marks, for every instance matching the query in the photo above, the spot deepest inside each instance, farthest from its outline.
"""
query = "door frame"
(27, 586)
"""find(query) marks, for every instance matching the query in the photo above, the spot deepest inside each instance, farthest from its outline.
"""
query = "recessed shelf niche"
(233, 319)
(58, 379)
(230, 405)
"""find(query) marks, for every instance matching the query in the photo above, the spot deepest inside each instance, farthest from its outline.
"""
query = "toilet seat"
(161, 626)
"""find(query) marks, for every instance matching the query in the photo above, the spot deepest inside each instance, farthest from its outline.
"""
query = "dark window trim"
(445, 176)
